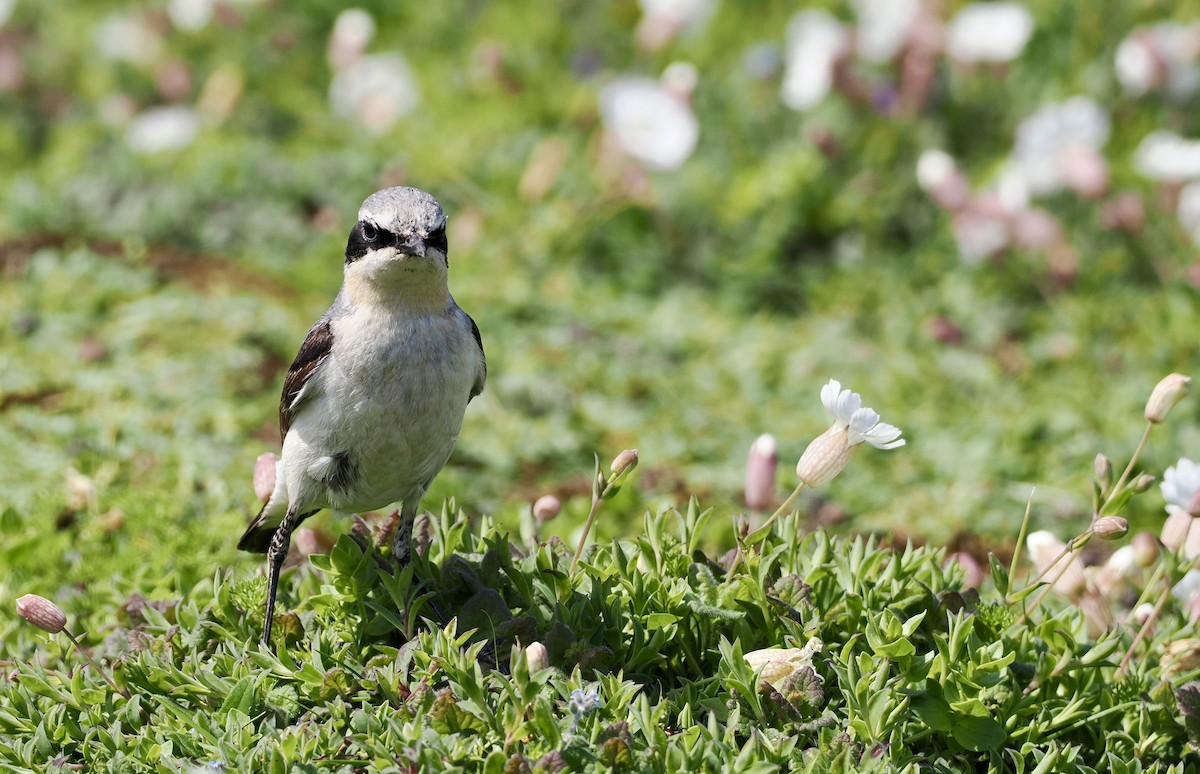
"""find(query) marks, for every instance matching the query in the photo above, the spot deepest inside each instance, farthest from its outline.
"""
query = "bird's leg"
(402, 542)
(276, 553)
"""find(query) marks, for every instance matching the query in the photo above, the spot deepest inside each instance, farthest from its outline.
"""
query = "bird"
(373, 403)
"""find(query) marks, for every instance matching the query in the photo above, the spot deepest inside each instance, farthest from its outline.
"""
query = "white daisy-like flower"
(815, 42)
(1180, 484)
(853, 425)
(989, 32)
(649, 122)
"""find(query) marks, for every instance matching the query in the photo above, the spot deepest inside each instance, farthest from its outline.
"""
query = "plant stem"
(587, 527)
(79, 649)
(1050, 587)
(741, 549)
(1132, 461)
(1012, 566)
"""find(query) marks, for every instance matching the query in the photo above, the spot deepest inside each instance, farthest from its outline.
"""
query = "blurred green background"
(177, 180)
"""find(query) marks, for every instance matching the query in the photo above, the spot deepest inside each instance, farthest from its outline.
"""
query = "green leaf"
(976, 733)
(659, 620)
(999, 575)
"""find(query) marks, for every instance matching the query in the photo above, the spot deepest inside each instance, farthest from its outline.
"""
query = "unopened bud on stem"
(546, 508)
(1110, 527)
(1103, 468)
(42, 613)
(1143, 482)
(625, 462)
(1166, 394)
(537, 657)
(760, 473)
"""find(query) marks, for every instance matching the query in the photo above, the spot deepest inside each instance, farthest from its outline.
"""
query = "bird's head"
(398, 245)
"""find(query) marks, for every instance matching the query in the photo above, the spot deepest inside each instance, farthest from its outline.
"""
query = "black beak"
(411, 244)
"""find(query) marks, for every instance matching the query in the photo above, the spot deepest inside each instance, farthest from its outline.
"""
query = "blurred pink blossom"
(1162, 56)
(760, 473)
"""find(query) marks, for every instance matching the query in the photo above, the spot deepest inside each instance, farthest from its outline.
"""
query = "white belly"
(385, 414)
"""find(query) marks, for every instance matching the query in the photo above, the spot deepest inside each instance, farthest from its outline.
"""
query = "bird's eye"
(369, 232)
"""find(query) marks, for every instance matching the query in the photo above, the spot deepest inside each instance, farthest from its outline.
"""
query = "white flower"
(1180, 484)
(883, 27)
(128, 38)
(352, 31)
(1187, 211)
(662, 20)
(1188, 586)
(6, 9)
(989, 32)
(376, 91)
(938, 175)
(980, 234)
(1053, 143)
(815, 42)
(778, 664)
(649, 122)
(190, 15)
(1166, 156)
(689, 15)
(853, 424)
(1161, 56)
(163, 129)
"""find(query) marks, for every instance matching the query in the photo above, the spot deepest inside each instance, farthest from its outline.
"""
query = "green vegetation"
(152, 299)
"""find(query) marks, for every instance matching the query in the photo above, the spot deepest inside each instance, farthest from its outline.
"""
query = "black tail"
(257, 538)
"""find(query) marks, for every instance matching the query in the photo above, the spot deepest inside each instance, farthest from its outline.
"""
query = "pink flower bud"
(760, 473)
(42, 613)
(546, 508)
(1110, 527)
(537, 657)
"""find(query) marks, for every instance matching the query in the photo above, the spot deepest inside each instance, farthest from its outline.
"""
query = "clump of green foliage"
(905, 667)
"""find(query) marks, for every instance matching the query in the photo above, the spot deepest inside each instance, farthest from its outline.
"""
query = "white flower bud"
(537, 657)
(625, 462)
(1166, 394)
(42, 613)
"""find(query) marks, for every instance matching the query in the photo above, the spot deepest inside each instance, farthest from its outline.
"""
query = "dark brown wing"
(478, 386)
(312, 353)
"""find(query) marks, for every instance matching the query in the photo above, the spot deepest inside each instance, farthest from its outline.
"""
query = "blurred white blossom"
(163, 129)
(662, 20)
(1059, 145)
(989, 32)
(938, 175)
(1188, 210)
(127, 37)
(883, 26)
(1166, 156)
(980, 234)
(681, 78)
(1044, 548)
(649, 122)
(376, 91)
(1160, 56)
(190, 15)
(6, 9)
(352, 31)
(1188, 586)
(815, 43)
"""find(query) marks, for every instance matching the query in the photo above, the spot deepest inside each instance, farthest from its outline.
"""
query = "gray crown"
(404, 209)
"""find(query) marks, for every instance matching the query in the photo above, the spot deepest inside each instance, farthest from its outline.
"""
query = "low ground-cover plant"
(801, 651)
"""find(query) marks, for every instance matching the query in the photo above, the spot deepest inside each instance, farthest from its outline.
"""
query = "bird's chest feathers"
(393, 365)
